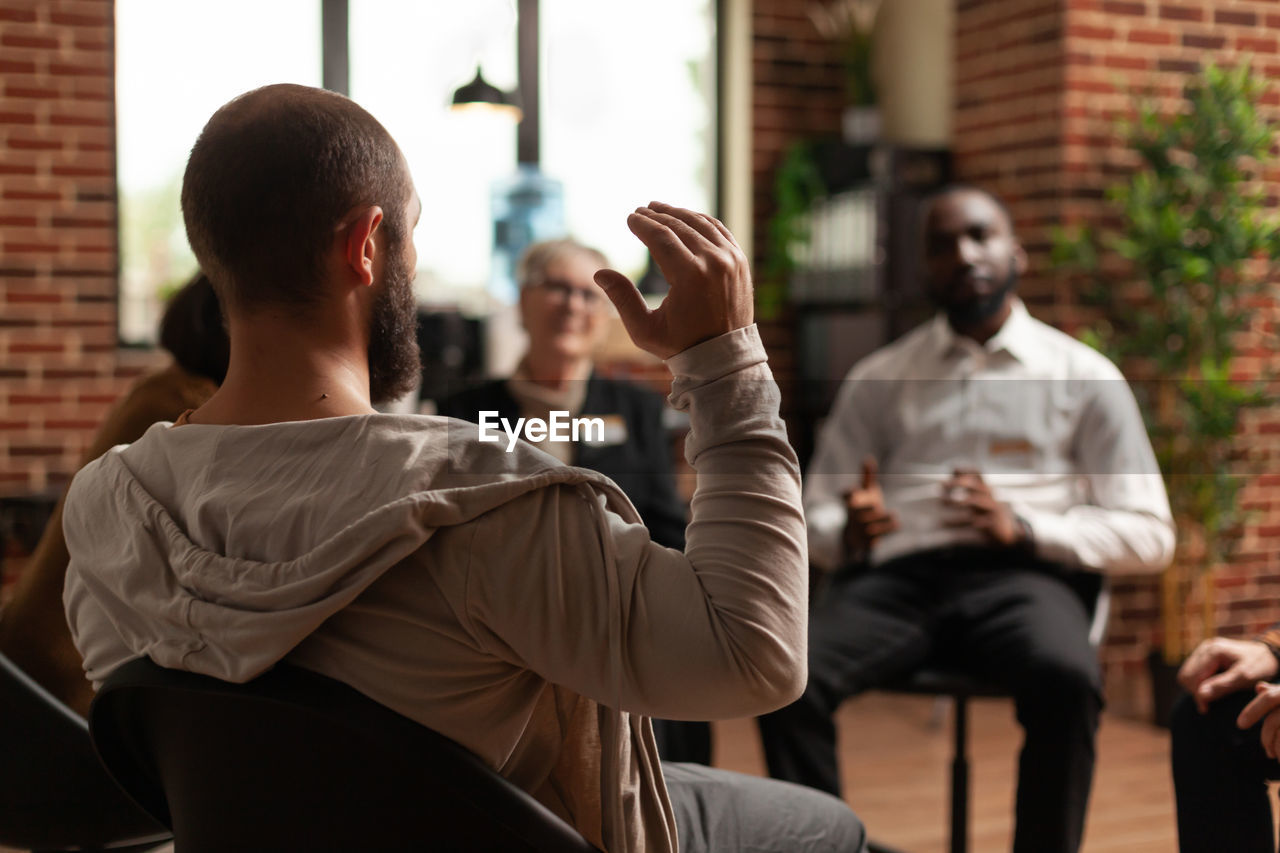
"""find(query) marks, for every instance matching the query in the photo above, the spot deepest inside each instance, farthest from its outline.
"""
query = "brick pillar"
(1008, 116)
(798, 93)
(58, 252)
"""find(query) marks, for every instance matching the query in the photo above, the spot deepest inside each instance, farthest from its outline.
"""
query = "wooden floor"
(896, 753)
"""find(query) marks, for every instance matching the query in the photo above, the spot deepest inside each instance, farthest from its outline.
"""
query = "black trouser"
(1220, 776)
(1005, 618)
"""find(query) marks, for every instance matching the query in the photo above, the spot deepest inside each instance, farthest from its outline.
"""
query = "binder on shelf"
(839, 262)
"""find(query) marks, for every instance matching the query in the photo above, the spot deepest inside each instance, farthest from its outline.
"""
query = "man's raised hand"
(709, 275)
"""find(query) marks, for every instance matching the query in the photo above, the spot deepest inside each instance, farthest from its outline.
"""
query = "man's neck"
(282, 371)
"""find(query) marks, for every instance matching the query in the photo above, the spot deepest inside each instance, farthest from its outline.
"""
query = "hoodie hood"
(317, 511)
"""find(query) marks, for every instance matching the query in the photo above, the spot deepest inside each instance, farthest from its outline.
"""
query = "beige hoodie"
(506, 601)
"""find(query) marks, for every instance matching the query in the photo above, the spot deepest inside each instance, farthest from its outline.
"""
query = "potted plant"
(1195, 236)
(796, 186)
(850, 25)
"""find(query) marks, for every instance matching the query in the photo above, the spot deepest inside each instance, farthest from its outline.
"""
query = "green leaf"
(1191, 218)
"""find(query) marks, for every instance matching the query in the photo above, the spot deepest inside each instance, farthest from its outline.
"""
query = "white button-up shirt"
(1049, 423)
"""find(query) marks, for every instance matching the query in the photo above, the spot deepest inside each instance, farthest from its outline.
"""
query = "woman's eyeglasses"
(563, 292)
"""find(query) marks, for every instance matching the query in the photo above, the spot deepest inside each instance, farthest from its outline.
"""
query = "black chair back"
(54, 793)
(294, 760)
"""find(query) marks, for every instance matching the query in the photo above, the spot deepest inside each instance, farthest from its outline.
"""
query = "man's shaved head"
(271, 177)
(932, 199)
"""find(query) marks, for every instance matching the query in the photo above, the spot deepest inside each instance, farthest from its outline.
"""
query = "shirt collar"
(1015, 337)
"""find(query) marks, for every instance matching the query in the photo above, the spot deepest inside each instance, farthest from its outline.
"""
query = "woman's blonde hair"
(533, 263)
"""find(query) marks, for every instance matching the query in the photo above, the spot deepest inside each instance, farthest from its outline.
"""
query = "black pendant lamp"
(481, 94)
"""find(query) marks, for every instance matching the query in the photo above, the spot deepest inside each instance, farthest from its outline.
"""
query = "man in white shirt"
(975, 470)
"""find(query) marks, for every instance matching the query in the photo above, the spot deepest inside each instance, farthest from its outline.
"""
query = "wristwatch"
(1271, 639)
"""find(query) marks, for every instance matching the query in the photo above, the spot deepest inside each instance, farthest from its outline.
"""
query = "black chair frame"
(294, 760)
(54, 793)
(960, 688)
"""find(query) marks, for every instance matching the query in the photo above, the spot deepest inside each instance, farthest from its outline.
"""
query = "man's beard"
(394, 365)
(976, 312)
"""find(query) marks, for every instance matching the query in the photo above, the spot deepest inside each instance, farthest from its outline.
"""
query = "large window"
(628, 115)
(175, 64)
(406, 58)
(629, 112)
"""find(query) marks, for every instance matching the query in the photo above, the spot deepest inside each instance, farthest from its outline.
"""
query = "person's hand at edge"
(709, 274)
(1219, 666)
(1264, 707)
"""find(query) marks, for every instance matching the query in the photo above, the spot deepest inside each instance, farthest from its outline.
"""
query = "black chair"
(54, 793)
(296, 761)
(960, 688)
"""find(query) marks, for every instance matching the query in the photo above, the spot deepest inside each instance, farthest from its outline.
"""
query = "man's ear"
(360, 244)
(1019, 258)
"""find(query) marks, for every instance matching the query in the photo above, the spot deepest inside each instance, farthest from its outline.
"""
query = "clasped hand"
(972, 505)
(966, 495)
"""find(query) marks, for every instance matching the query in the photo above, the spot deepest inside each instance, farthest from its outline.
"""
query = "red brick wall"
(1039, 84)
(797, 94)
(58, 361)
(1008, 124)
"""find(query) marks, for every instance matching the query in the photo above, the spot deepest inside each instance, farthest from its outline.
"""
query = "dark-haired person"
(33, 625)
(1226, 745)
(512, 603)
(972, 470)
